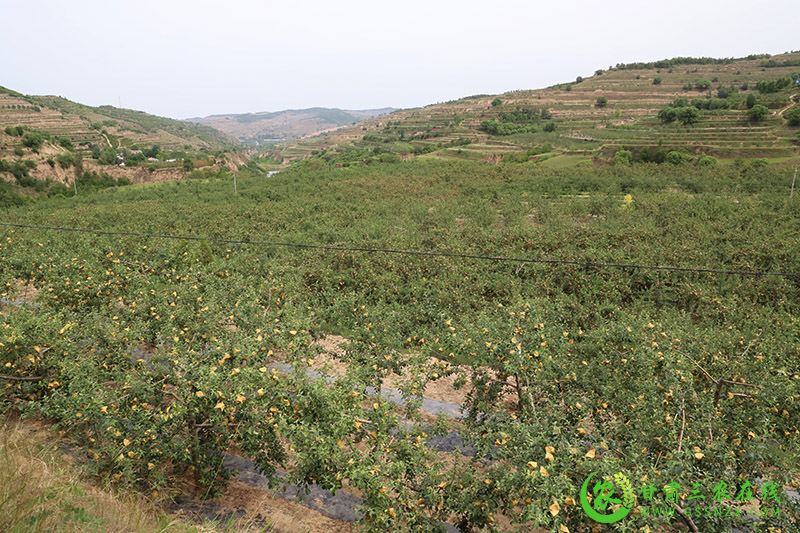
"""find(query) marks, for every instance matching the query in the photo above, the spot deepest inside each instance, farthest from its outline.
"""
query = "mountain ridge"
(271, 127)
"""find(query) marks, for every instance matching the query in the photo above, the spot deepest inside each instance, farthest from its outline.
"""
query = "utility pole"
(235, 191)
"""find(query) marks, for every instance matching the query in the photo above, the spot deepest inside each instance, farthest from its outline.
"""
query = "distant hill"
(593, 117)
(280, 126)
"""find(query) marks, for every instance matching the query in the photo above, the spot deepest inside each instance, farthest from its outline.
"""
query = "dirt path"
(793, 99)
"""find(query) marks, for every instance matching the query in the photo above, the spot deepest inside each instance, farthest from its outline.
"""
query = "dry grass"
(41, 490)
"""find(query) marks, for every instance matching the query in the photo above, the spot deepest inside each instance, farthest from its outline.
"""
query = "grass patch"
(41, 490)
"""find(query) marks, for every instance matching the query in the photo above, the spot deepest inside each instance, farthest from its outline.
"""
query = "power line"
(408, 252)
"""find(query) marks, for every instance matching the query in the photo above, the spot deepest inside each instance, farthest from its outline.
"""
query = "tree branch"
(23, 378)
(683, 426)
(686, 518)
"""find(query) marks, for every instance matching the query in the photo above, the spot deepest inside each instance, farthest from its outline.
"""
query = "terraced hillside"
(593, 118)
(48, 142)
(84, 124)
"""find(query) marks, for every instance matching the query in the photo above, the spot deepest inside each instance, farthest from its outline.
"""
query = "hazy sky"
(181, 58)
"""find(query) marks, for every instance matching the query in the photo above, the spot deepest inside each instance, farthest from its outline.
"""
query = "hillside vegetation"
(281, 126)
(52, 146)
(83, 124)
(729, 108)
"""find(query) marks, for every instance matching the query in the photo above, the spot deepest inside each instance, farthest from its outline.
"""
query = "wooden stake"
(793, 181)
(234, 184)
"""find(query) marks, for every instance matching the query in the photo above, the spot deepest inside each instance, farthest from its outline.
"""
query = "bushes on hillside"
(712, 103)
(668, 114)
(707, 161)
(658, 155)
(105, 155)
(9, 198)
(793, 116)
(93, 180)
(15, 131)
(492, 127)
(702, 85)
(623, 157)
(773, 86)
(688, 115)
(66, 143)
(16, 169)
(757, 113)
(67, 160)
(520, 116)
(33, 140)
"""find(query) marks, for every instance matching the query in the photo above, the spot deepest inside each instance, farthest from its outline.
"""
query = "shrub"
(657, 80)
(623, 157)
(702, 85)
(59, 189)
(64, 160)
(602, 101)
(707, 161)
(675, 157)
(105, 156)
(66, 143)
(15, 131)
(492, 127)
(33, 140)
(667, 114)
(688, 115)
(757, 113)
(793, 116)
(389, 158)
(18, 170)
(497, 102)
(773, 86)
(550, 127)
(750, 101)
